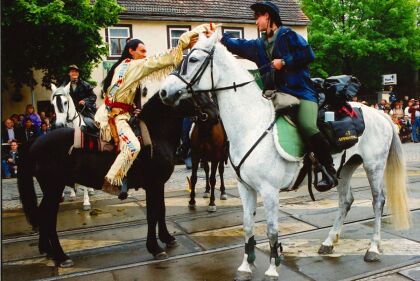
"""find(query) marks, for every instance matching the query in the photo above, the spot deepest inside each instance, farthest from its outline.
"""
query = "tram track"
(133, 243)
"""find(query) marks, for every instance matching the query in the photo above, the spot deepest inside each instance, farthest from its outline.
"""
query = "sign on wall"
(389, 79)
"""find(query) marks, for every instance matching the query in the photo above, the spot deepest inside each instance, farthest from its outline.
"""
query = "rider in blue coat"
(283, 57)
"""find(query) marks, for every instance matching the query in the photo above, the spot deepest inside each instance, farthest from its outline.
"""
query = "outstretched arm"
(244, 48)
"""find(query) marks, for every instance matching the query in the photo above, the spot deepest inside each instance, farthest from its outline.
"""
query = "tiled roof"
(207, 10)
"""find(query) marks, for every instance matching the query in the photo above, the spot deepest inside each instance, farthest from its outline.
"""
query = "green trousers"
(306, 116)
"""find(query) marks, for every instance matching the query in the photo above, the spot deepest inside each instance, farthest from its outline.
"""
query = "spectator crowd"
(405, 114)
(20, 128)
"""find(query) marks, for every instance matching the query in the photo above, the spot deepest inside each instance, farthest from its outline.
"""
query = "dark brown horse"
(208, 143)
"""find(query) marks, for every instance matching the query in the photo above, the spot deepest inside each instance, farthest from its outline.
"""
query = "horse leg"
(72, 193)
(163, 233)
(345, 200)
(249, 203)
(270, 197)
(222, 182)
(152, 203)
(195, 160)
(51, 201)
(44, 245)
(376, 180)
(91, 191)
(206, 171)
(86, 201)
(212, 205)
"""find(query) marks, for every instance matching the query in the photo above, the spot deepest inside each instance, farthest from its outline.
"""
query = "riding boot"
(322, 150)
(124, 189)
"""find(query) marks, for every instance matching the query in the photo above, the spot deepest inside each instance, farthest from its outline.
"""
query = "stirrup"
(327, 182)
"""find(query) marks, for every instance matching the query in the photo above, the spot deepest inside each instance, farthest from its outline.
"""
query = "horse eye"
(193, 60)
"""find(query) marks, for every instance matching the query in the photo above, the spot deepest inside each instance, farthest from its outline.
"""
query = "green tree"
(49, 35)
(365, 38)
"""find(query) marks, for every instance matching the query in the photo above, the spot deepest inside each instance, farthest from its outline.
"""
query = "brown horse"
(208, 143)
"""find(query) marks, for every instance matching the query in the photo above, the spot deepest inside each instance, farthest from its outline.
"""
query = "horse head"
(64, 108)
(196, 74)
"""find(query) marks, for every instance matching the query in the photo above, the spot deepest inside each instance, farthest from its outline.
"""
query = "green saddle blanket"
(289, 138)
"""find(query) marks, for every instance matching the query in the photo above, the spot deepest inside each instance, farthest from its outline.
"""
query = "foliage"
(365, 38)
(49, 35)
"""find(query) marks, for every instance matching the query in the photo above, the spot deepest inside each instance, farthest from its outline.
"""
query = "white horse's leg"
(375, 176)
(345, 200)
(86, 202)
(72, 193)
(91, 191)
(249, 204)
(270, 197)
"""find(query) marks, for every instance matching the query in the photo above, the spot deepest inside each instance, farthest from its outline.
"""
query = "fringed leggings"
(129, 149)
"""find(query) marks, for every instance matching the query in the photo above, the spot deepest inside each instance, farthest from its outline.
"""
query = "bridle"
(76, 114)
(182, 70)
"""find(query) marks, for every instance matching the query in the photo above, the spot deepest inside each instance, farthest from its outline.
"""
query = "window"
(236, 32)
(174, 32)
(116, 38)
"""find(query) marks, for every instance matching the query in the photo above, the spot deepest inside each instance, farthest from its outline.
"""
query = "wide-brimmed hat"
(267, 6)
(73, 66)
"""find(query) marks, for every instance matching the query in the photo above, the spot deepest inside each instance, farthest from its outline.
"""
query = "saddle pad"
(288, 141)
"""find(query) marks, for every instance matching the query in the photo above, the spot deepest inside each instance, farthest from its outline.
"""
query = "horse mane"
(154, 108)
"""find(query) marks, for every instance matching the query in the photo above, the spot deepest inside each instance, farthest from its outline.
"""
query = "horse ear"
(53, 87)
(214, 38)
(67, 88)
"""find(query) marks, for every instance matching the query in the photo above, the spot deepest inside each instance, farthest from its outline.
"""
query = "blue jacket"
(294, 77)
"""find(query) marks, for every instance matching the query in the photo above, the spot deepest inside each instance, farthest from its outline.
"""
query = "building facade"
(159, 24)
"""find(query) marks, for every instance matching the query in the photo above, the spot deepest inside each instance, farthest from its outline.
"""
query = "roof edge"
(202, 19)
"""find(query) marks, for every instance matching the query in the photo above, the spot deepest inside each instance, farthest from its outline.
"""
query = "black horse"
(48, 159)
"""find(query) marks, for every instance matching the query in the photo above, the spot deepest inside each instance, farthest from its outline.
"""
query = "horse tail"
(395, 180)
(26, 187)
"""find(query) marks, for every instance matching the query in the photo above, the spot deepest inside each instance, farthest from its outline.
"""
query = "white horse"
(67, 116)
(246, 115)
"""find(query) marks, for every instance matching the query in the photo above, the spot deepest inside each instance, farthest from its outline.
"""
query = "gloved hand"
(192, 36)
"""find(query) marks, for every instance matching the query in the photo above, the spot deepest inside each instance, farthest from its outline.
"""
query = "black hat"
(270, 7)
(73, 66)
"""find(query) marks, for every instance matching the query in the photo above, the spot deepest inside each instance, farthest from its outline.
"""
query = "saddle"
(342, 133)
(88, 138)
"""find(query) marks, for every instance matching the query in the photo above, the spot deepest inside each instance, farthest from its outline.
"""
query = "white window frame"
(175, 28)
(235, 29)
(110, 37)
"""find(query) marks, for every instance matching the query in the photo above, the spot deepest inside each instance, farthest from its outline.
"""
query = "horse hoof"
(91, 192)
(67, 263)
(206, 195)
(172, 244)
(243, 276)
(324, 250)
(123, 195)
(161, 256)
(372, 257)
(87, 207)
(270, 278)
(191, 206)
(211, 209)
(223, 197)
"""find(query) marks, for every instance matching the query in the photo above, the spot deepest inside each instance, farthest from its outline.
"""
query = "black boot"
(322, 150)
(124, 189)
